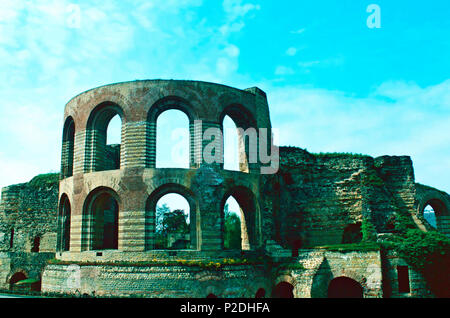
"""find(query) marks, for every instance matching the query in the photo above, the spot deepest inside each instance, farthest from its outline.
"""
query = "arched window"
(352, 233)
(172, 140)
(232, 225)
(36, 244)
(170, 218)
(172, 222)
(430, 216)
(437, 215)
(113, 142)
(240, 203)
(283, 290)
(64, 216)
(11, 238)
(344, 287)
(104, 138)
(261, 293)
(240, 136)
(101, 220)
(68, 148)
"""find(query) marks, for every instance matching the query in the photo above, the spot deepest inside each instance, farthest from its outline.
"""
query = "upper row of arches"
(103, 146)
(243, 112)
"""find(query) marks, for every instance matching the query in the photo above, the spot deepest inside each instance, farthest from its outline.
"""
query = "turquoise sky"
(333, 83)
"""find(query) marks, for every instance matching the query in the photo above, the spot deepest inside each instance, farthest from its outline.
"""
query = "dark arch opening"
(211, 295)
(436, 215)
(430, 216)
(152, 224)
(68, 148)
(260, 293)
(64, 215)
(240, 145)
(283, 290)
(102, 220)
(352, 233)
(249, 217)
(36, 244)
(17, 277)
(11, 238)
(101, 155)
(344, 287)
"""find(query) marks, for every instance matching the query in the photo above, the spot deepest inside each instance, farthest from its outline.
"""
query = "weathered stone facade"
(103, 231)
(27, 228)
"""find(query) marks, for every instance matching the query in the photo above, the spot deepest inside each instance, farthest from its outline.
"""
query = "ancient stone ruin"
(311, 227)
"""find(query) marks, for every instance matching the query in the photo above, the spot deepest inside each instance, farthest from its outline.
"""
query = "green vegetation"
(171, 223)
(370, 178)
(352, 247)
(204, 264)
(426, 252)
(368, 230)
(45, 180)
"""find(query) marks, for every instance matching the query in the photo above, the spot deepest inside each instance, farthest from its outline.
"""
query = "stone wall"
(155, 281)
(332, 191)
(28, 215)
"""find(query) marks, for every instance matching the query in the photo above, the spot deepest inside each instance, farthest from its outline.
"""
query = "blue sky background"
(333, 84)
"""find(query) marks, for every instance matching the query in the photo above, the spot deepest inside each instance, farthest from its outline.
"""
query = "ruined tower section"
(108, 193)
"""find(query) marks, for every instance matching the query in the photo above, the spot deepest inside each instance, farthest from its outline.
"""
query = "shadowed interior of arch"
(63, 242)
(104, 138)
(104, 213)
(172, 140)
(241, 201)
(68, 147)
(344, 287)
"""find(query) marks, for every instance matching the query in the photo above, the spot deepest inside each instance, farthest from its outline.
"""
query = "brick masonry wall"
(155, 281)
(27, 211)
(330, 191)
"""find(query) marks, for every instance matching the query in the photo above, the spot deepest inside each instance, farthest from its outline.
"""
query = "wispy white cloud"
(298, 31)
(291, 51)
(283, 70)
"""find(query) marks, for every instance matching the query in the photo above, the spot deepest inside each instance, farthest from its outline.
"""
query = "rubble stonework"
(289, 217)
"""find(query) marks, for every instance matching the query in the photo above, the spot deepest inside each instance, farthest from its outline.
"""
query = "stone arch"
(150, 213)
(68, 146)
(64, 221)
(260, 293)
(442, 215)
(250, 216)
(352, 233)
(439, 201)
(345, 287)
(283, 289)
(98, 156)
(17, 277)
(160, 106)
(248, 139)
(100, 223)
